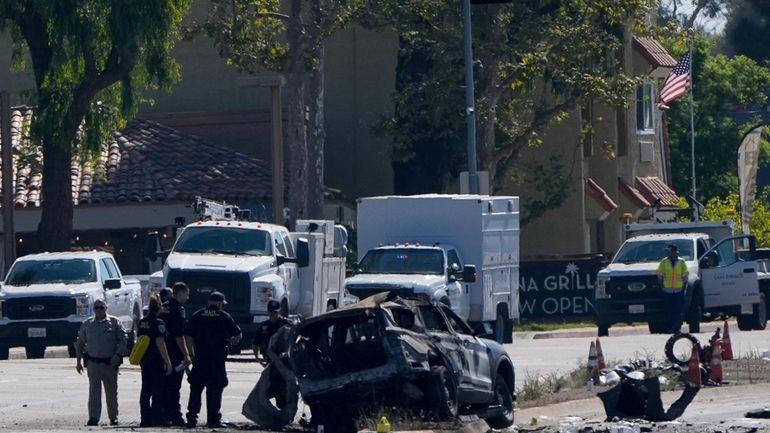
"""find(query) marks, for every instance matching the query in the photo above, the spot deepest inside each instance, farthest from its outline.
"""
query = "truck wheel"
(4, 353)
(131, 335)
(71, 352)
(745, 322)
(504, 399)
(331, 304)
(760, 314)
(657, 328)
(284, 308)
(694, 314)
(35, 352)
(441, 394)
(603, 330)
(501, 328)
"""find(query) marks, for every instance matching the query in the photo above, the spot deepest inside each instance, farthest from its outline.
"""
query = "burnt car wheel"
(442, 395)
(332, 419)
(504, 399)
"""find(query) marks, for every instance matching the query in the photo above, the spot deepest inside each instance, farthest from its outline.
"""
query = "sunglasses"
(100, 307)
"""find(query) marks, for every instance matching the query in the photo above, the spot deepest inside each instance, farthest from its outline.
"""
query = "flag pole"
(692, 128)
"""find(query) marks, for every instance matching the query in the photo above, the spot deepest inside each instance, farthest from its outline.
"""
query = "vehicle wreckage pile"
(384, 351)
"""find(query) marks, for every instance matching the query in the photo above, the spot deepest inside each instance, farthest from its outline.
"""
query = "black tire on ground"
(35, 352)
(669, 348)
(657, 328)
(4, 352)
(71, 352)
(441, 394)
(503, 398)
(602, 330)
(501, 328)
(760, 314)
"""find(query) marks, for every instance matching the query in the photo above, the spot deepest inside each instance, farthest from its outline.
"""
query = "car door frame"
(477, 353)
(733, 281)
(452, 349)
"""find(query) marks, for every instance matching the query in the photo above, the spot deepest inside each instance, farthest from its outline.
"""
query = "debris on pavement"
(761, 413)
(641, 399)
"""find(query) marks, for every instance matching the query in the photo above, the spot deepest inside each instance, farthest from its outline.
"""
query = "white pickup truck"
(45, 297)
(722, 279)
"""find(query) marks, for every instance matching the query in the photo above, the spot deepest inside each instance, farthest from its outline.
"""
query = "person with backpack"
(156, 365)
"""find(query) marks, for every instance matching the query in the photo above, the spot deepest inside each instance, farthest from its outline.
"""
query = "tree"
(747, 24)
(721, 84)
(535, 62)
(688, 12)
(89, 58)
(728, 207)
(254, 35)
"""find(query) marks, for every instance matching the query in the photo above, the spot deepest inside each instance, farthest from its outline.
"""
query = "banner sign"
(558, 288)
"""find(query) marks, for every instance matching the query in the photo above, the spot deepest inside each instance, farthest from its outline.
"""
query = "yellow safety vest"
(672, 275)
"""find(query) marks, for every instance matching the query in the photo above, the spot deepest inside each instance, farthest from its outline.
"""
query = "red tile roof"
(632, 194)
(145, 161)
(600, 195)
(654, 189)
(653, 52)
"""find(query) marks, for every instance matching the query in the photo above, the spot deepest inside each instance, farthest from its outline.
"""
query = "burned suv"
(391, 351)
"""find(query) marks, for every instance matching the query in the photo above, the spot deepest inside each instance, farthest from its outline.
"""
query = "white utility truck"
(252, 263)
(723, 280)
(428, 245)
(45, 297)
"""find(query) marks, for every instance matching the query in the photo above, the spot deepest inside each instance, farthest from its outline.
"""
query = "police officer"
(155, 365)
(265, 332)
(210, 330)
(173, 315)
(101, 343)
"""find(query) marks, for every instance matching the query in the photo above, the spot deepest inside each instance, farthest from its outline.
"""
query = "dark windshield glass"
(649, 251)
(403, 261)
(72, 271)
(224, 240)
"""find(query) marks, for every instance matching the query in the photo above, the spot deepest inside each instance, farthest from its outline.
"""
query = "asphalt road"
(48, 395)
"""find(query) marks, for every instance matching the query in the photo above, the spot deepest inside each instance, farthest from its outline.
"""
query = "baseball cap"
(217, 297)
(671, 247)
(273, 305)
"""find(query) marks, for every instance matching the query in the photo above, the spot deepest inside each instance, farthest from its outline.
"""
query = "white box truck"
(422, 245)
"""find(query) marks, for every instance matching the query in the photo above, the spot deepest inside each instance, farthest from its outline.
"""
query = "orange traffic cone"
(693, 368)
(592, 358)
(715, 373)
(727, 348)
(600, 365)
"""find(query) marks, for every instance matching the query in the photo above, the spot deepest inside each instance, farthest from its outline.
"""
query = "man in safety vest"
(672, 274)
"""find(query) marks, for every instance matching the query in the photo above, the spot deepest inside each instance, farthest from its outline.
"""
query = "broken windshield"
(403, 261)
(224, 240)
(70, 271)
(652, 250)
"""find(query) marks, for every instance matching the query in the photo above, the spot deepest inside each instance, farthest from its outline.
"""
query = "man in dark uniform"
(261, 343)
(266, 330)
(173, 314)
(210, 330)
(155, 366)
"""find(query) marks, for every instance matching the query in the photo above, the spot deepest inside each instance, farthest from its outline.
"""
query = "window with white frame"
(644, 107)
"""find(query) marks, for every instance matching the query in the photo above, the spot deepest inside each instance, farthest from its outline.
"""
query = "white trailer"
(484, 230)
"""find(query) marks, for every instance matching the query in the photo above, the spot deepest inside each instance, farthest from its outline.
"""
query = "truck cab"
(45, 298)
(435, 273)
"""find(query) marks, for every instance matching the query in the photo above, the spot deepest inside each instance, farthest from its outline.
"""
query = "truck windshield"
(649, 251)
(403, 261)
(72, 271)
(224, 240)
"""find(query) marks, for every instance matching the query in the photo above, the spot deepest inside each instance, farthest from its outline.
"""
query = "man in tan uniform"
(101, 343)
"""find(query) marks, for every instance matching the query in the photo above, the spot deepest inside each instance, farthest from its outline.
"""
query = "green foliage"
(749, 23)
(90, 58)
(534, 62)
(728, 207)
(721, 83)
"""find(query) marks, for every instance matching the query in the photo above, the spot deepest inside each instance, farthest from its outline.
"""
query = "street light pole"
(470, 111)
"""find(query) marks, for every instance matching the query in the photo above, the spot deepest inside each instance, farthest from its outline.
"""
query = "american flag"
(676, 83)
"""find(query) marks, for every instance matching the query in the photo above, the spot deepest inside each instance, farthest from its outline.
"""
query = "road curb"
(614, 332)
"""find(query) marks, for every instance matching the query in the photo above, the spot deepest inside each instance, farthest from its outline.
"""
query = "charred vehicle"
(386, 350)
